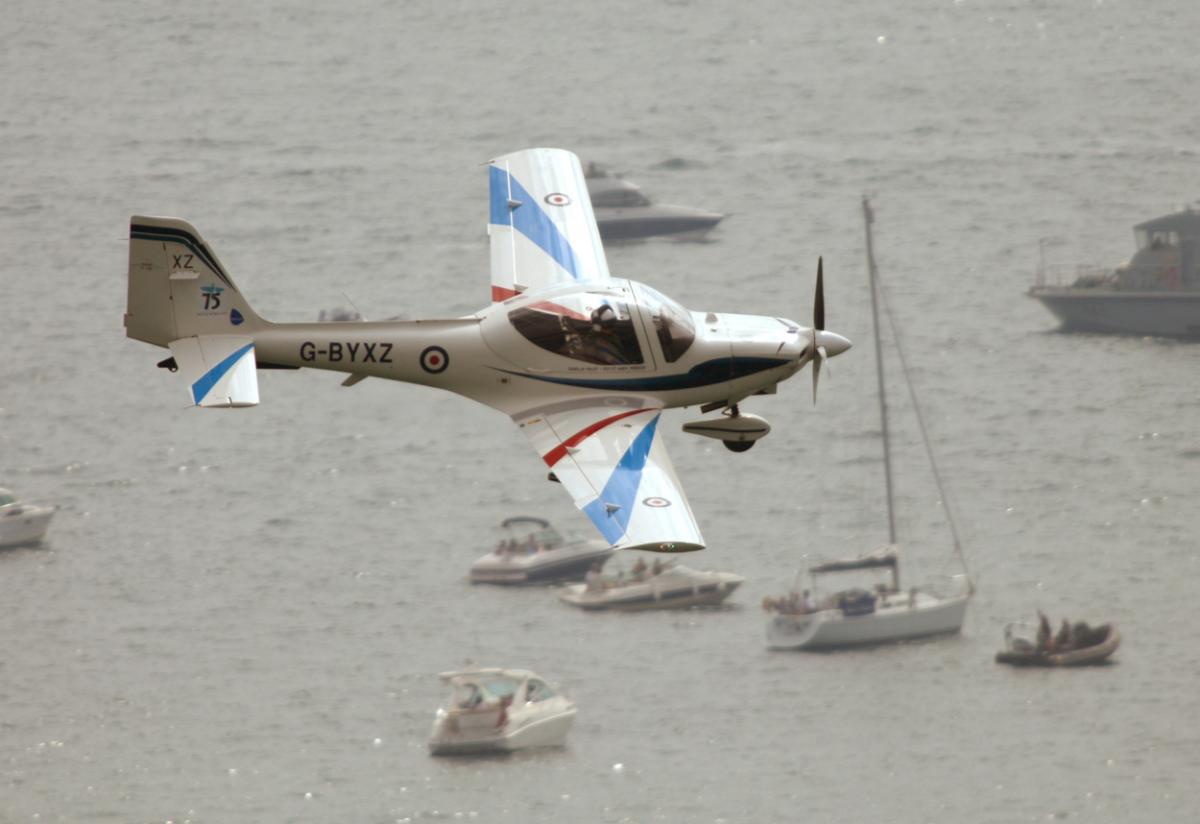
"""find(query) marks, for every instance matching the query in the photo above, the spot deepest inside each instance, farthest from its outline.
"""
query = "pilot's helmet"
(603, 317)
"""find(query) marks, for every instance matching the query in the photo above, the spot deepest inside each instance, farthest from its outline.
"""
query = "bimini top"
(884, 558)
(525, 519)
(487, 672)
(1186, 223)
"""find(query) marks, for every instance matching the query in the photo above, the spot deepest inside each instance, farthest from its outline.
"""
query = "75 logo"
(212, 297)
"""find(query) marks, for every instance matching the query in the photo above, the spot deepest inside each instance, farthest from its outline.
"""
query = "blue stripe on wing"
(203, 386)
(528, 218)
(621, 489)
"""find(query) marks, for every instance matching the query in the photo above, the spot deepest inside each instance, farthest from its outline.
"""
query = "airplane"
(583, 363)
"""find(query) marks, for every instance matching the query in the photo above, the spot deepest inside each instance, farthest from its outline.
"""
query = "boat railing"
(1070, 274)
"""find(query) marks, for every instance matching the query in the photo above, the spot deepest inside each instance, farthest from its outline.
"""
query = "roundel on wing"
(557, 199)
(656, 502)
(434, 359)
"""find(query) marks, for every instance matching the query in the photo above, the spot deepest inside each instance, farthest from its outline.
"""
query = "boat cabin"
(1167, 256)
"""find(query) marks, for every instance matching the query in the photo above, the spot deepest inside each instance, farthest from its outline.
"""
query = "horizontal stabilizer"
(220, 369)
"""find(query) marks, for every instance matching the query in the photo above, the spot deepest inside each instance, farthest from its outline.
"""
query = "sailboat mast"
(868, 219)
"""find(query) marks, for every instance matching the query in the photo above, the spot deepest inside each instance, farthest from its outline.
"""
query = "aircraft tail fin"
(177, 286)
(220, 369)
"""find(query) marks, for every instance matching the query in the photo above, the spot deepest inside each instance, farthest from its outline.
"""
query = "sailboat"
(888, 612)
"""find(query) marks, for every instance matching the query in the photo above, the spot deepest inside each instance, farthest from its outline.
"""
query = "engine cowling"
(741, 430)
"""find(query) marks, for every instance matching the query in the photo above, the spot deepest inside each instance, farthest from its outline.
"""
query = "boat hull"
(26, 525)
(567, 564)
(1166, 314)
(546, 731)
(1088, 656)
(637, 223)
(831, 629)
(708, 589)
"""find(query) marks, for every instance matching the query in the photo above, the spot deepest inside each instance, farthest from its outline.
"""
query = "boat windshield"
(497, 688)
(619, 199)
(586, 326)
(538, 691)
(672, 323)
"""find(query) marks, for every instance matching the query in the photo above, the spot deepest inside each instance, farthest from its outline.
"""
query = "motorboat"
(500, 710)
(1157, 292)
(531, 551)
(663, 586)
(859, 615)
(1081, 646)
(886, 612)
(22, 523)
(623, 212)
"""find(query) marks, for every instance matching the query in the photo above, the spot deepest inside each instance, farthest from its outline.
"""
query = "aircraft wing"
(540, 222)
(607, 453)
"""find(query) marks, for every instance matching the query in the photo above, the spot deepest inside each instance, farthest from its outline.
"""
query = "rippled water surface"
(239, 616)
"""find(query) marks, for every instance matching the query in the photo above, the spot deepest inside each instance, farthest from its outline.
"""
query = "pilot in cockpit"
(601, 343)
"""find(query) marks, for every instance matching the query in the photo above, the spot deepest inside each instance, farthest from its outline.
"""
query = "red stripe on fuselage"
(556, 454)
(500, 293)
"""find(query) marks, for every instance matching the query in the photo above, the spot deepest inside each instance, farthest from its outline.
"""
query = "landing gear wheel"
(738, 446)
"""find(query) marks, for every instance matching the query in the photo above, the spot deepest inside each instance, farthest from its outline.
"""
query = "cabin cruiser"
(623, 212)
(662, 586)
(22, 523)
(500, 710)
(531, 551)
(1156, 293)
(857, 615)
(1075, 645)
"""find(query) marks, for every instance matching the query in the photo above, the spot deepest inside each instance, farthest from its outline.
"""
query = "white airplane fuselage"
(483, 357)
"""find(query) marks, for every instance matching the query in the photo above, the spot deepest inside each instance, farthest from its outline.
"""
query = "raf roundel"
(656, 502)
(557, 199)
(434, 360)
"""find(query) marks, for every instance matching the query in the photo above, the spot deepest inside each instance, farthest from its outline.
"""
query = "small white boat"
(533, 552)
(673, 587)
(854, 617)
(500, 710)
(22, 523)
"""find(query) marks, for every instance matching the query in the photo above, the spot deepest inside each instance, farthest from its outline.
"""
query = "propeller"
(820, 354)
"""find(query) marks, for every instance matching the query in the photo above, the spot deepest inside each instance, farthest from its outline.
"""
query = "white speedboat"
(853, 617)
(673, 587)
(22, 523)
(857, 616)
(500, 710)
(624, 213)
(533, 552)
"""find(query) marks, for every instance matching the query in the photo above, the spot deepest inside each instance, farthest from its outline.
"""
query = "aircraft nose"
(834, 343)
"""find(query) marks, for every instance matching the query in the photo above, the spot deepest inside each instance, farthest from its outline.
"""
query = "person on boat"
(1063, 641)
(657, 568)
(807, 604)
(1045, 638)
(638, 572)
(593, 582)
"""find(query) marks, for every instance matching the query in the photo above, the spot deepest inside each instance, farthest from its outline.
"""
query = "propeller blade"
(819, 300)
(816, 370)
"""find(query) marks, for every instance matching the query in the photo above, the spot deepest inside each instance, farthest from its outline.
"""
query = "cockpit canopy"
(672, 323)
(599, 327)
(588, 326)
